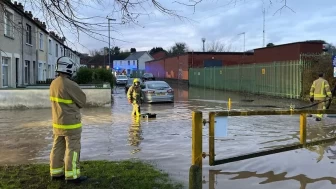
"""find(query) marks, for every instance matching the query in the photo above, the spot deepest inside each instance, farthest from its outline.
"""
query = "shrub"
(94, 76)
(319, 63)
(84, 76)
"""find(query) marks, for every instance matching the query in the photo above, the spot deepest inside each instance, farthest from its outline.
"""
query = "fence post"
(211, 138)
(303, 129)
(197, 127)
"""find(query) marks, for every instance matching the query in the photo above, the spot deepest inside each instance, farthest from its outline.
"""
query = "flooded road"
(111, 134)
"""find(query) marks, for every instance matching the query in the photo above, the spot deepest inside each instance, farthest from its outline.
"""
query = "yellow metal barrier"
(197, 134)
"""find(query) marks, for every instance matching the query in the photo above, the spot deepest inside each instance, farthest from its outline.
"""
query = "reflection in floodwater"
(270, 177)
(320, 132)
(135, 134)
(195, 178)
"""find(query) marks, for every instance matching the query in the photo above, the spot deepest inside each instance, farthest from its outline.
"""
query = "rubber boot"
(57, 178)
(318, 119)
(309, 115)
(77, 180)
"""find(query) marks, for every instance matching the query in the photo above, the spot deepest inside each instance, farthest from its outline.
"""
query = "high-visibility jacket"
(66, 100)
(320, 89)
(135, 94)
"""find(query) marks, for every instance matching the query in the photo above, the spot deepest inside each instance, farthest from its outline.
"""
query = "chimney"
(20, 6)
(30, 14)
(44, 25)
(15, 2)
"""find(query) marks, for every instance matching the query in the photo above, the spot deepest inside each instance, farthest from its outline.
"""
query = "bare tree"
(217, 46)
(62, 16)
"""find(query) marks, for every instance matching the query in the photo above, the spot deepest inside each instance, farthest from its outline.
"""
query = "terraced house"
(28, 52)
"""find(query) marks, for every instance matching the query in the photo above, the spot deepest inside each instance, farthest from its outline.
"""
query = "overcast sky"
(217, 20)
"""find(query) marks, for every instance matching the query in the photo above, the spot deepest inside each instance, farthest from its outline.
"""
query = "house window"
(26, 71)
(133, 62)
(129, 63)
(61, 51)
(92, 66)
(50, 47)
(49, 71)
(28, 34)
(40, 72)
(5, 62)
(41, 41)
(107, 67)
(9, 27)
(56, 50)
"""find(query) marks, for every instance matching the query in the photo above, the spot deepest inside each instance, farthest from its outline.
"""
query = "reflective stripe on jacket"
(66, 100)
(134, 94)
(320, 89)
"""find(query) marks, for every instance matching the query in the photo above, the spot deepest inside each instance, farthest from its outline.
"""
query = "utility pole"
(109, 49)
(240, 74)
(243, 33)
(203, 40)
(264, 27)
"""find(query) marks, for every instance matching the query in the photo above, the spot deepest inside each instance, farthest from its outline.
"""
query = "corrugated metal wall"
(283, 79)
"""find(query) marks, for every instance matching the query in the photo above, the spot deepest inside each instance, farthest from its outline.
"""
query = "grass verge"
(101, 174)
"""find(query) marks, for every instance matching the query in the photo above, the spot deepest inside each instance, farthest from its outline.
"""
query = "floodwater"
(111, 134)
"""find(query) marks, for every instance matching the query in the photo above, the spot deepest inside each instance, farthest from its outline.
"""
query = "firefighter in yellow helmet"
(320, 92)
(66, 100)
(135, 96)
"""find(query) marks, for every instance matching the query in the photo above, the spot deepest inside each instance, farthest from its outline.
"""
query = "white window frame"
(5, 65)
(49, 71)
(26, 75)
(28, 35)
(41, 41)
(11, 25)
(56, 49)
(50, 46)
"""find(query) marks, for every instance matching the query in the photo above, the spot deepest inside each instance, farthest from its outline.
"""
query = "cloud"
(218, 20)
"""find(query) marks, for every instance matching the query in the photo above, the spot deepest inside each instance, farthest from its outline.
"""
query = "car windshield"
(148, 75)
(121, 77)
(157, 85)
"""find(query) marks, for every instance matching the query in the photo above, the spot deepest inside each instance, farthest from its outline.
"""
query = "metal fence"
(283, 79)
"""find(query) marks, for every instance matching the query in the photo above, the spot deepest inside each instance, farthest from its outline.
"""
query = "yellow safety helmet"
(136, 80)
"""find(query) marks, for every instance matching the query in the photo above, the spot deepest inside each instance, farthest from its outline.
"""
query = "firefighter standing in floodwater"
(66, 100)
(135, 96)
(319, 92)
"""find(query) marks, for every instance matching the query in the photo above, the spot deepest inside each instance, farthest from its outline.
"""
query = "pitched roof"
(136, 55)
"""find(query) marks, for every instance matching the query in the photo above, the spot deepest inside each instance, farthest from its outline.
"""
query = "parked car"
(147, 76)
(130, 83)
(157, 91)
(121, 79)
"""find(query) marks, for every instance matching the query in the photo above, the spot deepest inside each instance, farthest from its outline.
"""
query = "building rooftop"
(136, 55)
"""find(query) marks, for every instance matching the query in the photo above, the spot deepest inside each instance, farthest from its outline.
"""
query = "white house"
(135, 61)
(127, 65)
(56, 51)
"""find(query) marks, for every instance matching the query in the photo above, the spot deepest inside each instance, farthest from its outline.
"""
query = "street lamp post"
(203, 40)
(240, 73)
(109, 49)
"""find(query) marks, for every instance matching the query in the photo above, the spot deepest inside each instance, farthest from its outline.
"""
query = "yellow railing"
(197, 132)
